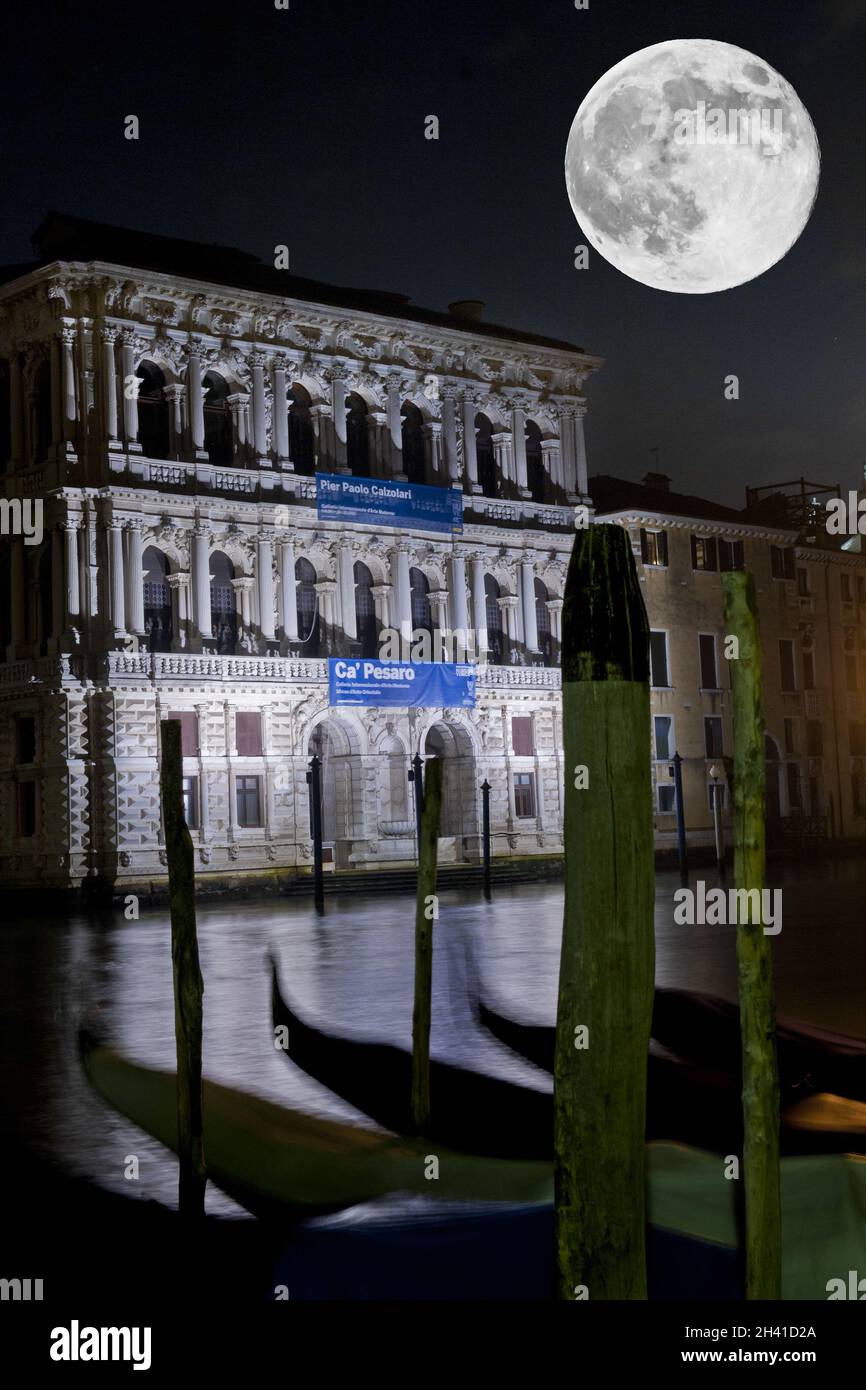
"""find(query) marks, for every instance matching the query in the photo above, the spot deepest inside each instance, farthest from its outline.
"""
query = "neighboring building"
(184, 572)
(812, 608)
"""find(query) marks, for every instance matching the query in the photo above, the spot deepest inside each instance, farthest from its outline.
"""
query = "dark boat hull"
(472, 1113)
(705, 1032)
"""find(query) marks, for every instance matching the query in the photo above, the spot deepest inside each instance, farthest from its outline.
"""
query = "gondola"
(472, 1113)
(282, 1165)
(694, 1240)
(705, 1031)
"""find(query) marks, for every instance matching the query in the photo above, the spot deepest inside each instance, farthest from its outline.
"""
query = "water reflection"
(351, 972)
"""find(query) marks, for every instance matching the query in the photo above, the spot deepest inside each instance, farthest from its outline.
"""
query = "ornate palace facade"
(169, 407)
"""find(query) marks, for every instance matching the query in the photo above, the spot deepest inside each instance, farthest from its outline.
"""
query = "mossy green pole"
(754, 957)
(608, 949)
(425, 915)
(188, 986)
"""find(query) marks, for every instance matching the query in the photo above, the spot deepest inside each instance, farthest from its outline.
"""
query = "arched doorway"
(217, 421)
(153, 434)
(302, 445)
(223, 604)
(157, 601)
(459, 819)
(365, 611)
(336, 744)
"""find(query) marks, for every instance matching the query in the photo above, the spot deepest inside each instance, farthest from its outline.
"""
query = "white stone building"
(183, 571)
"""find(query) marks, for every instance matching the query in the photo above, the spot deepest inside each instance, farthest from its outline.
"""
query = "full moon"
(692, 166)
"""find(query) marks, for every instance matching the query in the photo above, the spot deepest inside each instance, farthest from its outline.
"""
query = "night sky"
(306, 127)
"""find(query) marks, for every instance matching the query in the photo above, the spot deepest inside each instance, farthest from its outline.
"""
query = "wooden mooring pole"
(426, 913)
(188, 985)
(608, 952)
(761, 1174)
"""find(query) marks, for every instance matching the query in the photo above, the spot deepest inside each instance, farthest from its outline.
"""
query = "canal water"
(350, 972)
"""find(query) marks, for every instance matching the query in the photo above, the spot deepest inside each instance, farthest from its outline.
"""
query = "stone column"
(325, 591)
(568, 441)
(508, 608)
(174, 394)
(239, 407)
(243, 587)
(402, 591)
(479, 603)
(201, 579)
(551, 459)
(130, 400)
(72, 595)
(554, 607)
(116, 577)
(469, 406)
(439, 609)
(109, 385)
(395, 427)
(502, 457)
(178, 583)
(70, 402)
(135, 579)
(377, 425)
(518, 432)
(346, 575)
(195, 355)
(323, 427)
(459, 608)
(338, 405)
(265, 574)
(16, 408)
(281, 417)
(432, 433)
(450, 456)
(581, 480)
(530, 621)
(258, 362)
(382, 599)
(288, 592)
(57, 587)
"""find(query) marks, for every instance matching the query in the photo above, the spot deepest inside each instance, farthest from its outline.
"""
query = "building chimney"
(657, 482)
(471, 309)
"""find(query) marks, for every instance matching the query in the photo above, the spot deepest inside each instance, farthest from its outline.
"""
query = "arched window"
(217, 420)
(308, 607)
(223, 604)
(542, 622)
(152, 411)
(357, 436)
(157, 600)
(42, 436)
(535, 477)
(365, 610)
(302, 445)
(484, 454)
(495, 635)
(398, 782)
(422, 618)
(413, 443)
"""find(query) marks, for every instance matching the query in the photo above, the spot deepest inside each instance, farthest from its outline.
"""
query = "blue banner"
(386, 502)
(398, 684)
